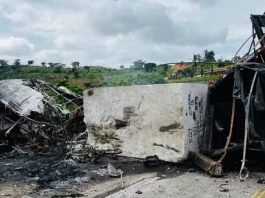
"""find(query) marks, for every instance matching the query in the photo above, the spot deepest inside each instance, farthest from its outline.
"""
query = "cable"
(230, 133)
(243, 45)
(243, 168)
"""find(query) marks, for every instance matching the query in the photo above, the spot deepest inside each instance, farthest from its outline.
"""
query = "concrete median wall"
(163, 120)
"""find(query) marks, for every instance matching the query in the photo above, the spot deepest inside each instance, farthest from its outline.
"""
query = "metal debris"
(138, 192)
(207, 164)
(37, 117)
(112, 171)
(222, 189)
(152, 161)
(261, 181)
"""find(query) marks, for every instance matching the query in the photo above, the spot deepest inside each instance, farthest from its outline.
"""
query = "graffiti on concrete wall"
(195, 111)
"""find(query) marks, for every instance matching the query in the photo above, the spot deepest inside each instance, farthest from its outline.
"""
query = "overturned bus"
(235, 126)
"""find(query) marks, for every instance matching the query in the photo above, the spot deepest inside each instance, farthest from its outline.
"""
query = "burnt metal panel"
(258, 22)
(207, 164)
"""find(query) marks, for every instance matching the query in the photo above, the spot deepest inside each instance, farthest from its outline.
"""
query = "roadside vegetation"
(78, 77)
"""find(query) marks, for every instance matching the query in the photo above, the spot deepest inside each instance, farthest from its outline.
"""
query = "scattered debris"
(58, 172)
(121, 173)
(167, 147)
(87, 153)
(9, 164)
(151, 161)
(37, 117)
(68, 195)
(261, 181)
(236, 109)
(207, 164)
(112, 171)
(138, 192)
(222, 189)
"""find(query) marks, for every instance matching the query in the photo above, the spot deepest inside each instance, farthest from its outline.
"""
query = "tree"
(149, 67)
(30, 62)
(3, 62)
(57, 64)
(57, 68)
(187, 72)
(17, 62)
(194, 64)
(220, 62)
(138, 64)
(87, 68)
(181, 63)
(51, 64)
(165, 66)
(209, 57)
(199, 58)
(75, 65)
(43, 64)
(76, 74)
(122, 66)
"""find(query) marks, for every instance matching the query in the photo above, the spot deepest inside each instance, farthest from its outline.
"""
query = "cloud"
(115, 32)
(239, 31)
(53, 55)
(15, 46)
(66, 42)
(205, 3)
(151, 22)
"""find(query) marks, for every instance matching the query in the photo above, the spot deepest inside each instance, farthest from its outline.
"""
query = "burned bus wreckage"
(236, 108)
(36, 116)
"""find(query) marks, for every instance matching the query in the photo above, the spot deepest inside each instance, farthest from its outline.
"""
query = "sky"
(117, 32)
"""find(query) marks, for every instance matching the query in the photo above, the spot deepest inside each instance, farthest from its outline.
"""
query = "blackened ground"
(49, 176)
(50, 172)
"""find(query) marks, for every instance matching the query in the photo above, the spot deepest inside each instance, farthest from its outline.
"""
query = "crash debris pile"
(37, 117)
(236, 110)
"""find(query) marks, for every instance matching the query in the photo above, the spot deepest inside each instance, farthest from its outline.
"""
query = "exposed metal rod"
(6, 118)
(242, 46)
(10, 129)
(230, 132)
(243, 168)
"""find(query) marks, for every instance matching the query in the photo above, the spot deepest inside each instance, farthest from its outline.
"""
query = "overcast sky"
(115, 32)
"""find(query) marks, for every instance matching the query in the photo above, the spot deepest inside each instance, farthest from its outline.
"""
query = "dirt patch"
(90, 92)
(128, 112)
(170, 127)
(121, 123)
(106, 134)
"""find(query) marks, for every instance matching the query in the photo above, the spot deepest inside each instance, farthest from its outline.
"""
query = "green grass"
(196, 79)
(94, 76)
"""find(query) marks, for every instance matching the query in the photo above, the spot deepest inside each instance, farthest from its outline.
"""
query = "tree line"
(197, 66)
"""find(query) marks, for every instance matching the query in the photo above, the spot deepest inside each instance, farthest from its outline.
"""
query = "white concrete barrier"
(164, 120)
